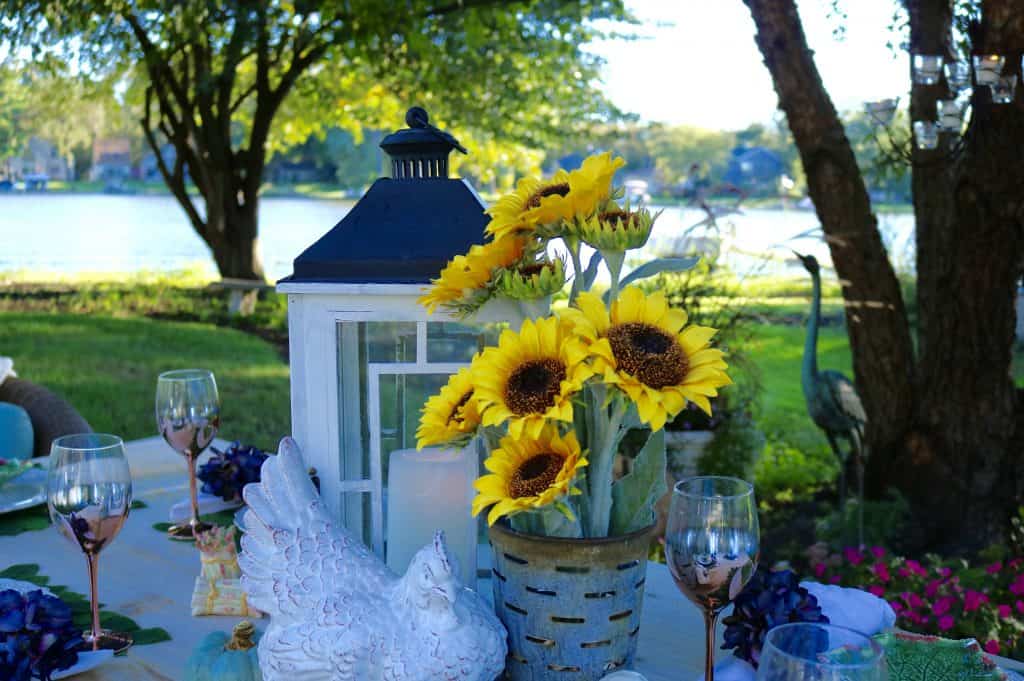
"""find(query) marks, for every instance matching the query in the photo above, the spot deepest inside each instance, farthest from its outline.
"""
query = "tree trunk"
(969, 208)
(232, 234)
(879, 334)
(946, 432)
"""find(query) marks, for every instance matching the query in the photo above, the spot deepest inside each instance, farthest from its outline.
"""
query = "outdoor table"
(149, 578)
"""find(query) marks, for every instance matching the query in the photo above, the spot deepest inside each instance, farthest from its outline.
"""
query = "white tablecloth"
(149, 578)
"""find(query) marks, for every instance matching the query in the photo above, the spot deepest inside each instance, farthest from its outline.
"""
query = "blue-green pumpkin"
(220, 657)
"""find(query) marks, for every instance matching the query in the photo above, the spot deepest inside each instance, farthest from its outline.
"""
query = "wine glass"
(89, 493)
(711, 545)
(807, 651)
(188, 416)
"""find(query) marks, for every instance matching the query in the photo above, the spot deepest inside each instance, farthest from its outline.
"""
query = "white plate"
(26, 490)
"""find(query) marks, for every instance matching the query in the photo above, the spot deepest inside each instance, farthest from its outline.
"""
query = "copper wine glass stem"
(94, 600)
(710, 620)
(193, 490)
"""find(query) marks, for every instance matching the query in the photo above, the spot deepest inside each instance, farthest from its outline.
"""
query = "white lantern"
(364, 355)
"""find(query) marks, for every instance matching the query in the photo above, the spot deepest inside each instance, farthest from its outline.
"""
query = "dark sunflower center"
(532, 387)
(535, 475)
(612, 218)
(456, 415)
(560, 189)
(648, 353)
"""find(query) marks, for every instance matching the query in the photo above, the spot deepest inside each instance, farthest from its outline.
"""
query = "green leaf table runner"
(79, 605)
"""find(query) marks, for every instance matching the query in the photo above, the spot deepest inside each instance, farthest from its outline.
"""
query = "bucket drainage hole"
(568, 620)
(563, 668)
(515, 608)
(620, 615)
(596, 644)
(516, 559)
(600, 594)
(541, 592)
(546, 642)
(614, 664)
(629, 566)
(519, 658)
(499, 575)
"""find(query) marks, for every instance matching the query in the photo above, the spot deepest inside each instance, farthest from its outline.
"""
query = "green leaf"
(117, 622)
(590, 273)
(29, 520)
(24, 572)
(634, 495)
(657, 266)
(138, 503)
(145, 637)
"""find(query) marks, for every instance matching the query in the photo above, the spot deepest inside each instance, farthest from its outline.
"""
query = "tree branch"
(175, 179)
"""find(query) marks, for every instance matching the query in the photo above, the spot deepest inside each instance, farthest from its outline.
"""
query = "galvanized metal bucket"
(571, 606)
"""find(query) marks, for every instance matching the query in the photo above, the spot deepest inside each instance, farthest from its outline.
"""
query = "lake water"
(55, 233)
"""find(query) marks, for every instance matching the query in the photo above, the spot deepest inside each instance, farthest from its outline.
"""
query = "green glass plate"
(913, 657)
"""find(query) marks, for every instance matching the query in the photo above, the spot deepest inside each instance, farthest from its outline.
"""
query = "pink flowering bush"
(952, 599)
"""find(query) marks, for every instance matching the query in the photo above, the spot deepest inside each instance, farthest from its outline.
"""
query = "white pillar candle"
(430, 490)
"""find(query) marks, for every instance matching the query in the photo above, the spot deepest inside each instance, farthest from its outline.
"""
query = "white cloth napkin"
(6, 368)
(851, 608)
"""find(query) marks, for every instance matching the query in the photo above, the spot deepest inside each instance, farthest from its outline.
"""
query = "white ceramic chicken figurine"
(337, 613)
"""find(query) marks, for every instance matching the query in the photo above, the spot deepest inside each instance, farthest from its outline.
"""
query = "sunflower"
(528, 474)
(533, 201)
(532, 280)
(645, 348)
(615, 229)
(530, 377)
(451, 416)
(465, 277)
(537, 204)
(591, 184)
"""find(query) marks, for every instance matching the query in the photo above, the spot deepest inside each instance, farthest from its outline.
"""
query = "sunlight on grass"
(107, 368)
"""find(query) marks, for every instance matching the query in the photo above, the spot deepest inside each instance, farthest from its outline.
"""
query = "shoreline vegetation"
(332, 192)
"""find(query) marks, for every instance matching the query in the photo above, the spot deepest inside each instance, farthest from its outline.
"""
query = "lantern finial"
(421, 150)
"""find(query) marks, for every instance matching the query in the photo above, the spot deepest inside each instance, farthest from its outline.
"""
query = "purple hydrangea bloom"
(15, 661)
(37, 636)
(769, 599)
(12, 612)
(226, 473)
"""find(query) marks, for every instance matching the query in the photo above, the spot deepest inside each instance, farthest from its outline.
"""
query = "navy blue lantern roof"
(407, 227)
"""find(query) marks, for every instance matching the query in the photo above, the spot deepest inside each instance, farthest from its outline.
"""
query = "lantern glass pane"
(402, 398)
(390, 341)
(357, 514)
(387, 370)
(456, 343)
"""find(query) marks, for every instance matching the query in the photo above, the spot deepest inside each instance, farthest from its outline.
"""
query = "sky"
(697, 62)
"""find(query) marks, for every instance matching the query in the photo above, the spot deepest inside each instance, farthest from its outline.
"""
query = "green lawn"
(107, 368)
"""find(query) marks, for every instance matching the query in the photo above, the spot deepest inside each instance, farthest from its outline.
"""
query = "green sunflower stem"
(614, 260)
(573, 246)
(603, 448)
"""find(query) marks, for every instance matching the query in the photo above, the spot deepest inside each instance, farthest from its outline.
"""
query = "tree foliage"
(229, 81)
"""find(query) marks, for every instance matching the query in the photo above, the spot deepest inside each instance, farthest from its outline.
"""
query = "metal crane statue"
(833, 403)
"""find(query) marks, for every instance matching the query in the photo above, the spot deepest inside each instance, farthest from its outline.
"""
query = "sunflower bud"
(532, 281)
(614, 229)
